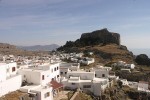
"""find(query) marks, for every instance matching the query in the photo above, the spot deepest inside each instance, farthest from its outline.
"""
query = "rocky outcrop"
(100, 37)
(104, 44)
(142, 59)
(122, 47)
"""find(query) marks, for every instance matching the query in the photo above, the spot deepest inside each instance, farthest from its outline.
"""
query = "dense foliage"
(142, 59)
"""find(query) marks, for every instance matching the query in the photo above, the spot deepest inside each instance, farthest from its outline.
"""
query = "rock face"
(142, 59)
(100, 37)
(122, 47)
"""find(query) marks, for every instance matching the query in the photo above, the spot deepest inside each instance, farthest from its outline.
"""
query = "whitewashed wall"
(12, 84)
(9, 67)
(2, 72)
(83, 75)
(99, 73)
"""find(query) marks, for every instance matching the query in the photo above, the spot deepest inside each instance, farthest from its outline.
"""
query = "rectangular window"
(13, 69)
(52, 79)
(73, 83)
(95, 75)
(103, 75)
(43, 77)
(57, 76)
(65, 72)
(47, 94)
(61, 73)
(86, 86)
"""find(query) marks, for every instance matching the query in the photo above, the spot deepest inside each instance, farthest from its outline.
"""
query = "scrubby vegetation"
(140, 74)
(83, 96)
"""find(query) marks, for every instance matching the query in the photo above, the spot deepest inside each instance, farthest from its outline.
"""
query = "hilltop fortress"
(100, 36)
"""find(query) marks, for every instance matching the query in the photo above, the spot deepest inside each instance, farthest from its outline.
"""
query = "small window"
(57, 76)
(43, 77)
(52, 70)
(47, 94)
(103, 75)
(95, 75)
(73, 83)
(55, 69)
(65, 72)
(86, 86)
(52, 79)
(61, 73)
(13, 69)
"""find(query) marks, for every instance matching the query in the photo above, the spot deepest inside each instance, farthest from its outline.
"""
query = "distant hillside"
(8, 49)
(40, 47)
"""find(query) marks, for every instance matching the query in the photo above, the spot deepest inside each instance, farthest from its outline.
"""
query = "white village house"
(87, 61)
(38, 80)
(8, 77)
(86, 81)
(123, 64)
(66, 67)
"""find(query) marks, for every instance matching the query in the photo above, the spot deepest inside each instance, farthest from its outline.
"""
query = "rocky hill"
(100, 36)
(105, 45)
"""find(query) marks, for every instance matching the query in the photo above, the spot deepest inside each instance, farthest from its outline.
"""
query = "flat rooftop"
(2, 63)
(33, 70)
(30, 87)
(79, 71)
(41, 88)
(99, 79)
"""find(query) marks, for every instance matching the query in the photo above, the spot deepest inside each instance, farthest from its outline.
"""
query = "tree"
(120, 83)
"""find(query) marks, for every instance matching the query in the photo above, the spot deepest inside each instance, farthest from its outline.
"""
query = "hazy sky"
(30, 22)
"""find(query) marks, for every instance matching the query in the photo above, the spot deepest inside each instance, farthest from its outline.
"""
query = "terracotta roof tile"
(56, 85)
